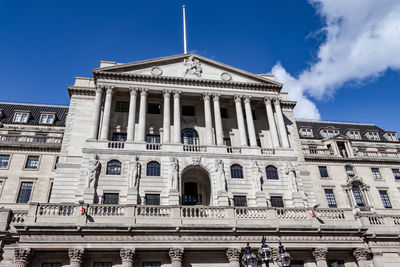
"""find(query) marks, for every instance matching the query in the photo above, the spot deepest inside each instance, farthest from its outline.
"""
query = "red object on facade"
(82, 211)
(313, 213)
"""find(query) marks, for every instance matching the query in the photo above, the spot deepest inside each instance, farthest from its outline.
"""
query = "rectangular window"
(396, 174)
(118, 137)
(323, 171)
(330, 198)
(110, 198)
(152, 199)
(358, 197)
(354, 135)
(188, 110)
(51, 264)
(151, 264)
(47, 118)
(153, 139)
(240, 201)
(253, 113)
(297, 264)
(50, 190)
(227, 142)
(375, 173)
(224, 113)
(307, 132)
(122, 106)
(32, 162)
(153, 108)
(102, 264)
(334, 263)
(21, 117)
(373, 136)
(385, 199)
(4, 160)
(25, 191)
(40, 138)
(276, 202)
(330, 133)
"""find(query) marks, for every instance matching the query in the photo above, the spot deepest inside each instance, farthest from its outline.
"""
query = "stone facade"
(181, 161)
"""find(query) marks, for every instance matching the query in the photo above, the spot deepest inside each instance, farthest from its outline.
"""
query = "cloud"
(362, 41)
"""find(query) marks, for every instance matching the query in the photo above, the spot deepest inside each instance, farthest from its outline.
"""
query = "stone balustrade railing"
(378, 154)
(195, 148)
(153, 146)
(267, 151)
(317, 151)
(30, 140)
(116, 144)
(233, 150)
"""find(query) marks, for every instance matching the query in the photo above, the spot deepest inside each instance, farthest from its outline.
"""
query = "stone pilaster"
(176, 255)
(240, 120)
(271, 122)
(250, 121)
(167, 116)
(132, 114)
(218, 121)
(177, 117)
(142, 115)
(21, 257)
(233, 255)
(127, 257)
(319, 255)
(105, 127)
(94, 129)
(361, 255)
(76, 257)
(281, 124)
(208, 119)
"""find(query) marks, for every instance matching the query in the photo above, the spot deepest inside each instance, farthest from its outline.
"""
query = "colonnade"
(279, 137)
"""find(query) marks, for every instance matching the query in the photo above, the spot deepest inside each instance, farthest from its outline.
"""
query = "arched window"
(113, 167)
(358, 196)
(189, 137)
(153, 168)
(272, 172)
(349, 171)
(236, 171)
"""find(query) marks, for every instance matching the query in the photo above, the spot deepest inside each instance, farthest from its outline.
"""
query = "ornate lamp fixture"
(265, 252)
(284, 256)
(249, 259)
(265, 255)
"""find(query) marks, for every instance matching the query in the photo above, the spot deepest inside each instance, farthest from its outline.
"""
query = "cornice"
(288, 104)
(386, 161)
(85, 91)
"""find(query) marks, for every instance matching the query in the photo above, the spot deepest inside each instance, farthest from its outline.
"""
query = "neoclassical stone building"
(180, 161)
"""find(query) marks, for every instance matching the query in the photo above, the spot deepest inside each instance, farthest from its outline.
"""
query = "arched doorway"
(196, 187)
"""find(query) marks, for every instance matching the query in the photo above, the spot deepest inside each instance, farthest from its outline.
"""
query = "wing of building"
(182, 160)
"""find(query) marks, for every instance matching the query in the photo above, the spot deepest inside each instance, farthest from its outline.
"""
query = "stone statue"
(257, 177)
(134, 173)
(291, 171)
(174, 174)
(94, 171)
(221, 177)
(193, 66)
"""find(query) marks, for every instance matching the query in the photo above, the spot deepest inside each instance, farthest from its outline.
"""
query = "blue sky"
(45, 44)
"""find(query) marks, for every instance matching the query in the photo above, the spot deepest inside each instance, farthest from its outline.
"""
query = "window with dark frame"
(153, 168)
(122, 106)
(349, 171)
(50, 191)
(227, 142)
(396, 173)
(224, 113)
(385, 199)
(113, 167)
(188, 110)
(189, 137)
(118, 137)
(272, 172)
(236, 171)
(4, 160)
(258, 142)
(24, 193)
(51, 264)
(358, 196)
(102, 264)
(323, 171)
(56, 162)
(375, 173)
(110, 198)
(153, 139)
(336, 263)
(240, 201)
(32, 162)
(152, 199)
(153, 108)
(330, 198)
(151, 264)
(277, 202)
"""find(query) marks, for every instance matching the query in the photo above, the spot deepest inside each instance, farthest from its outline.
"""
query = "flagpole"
(184, 29)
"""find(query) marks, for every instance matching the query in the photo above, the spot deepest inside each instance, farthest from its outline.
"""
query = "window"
(236, 171)
(335, 263)
(153, 168)
(239, 201)
(396, 173)
(50, 191)
(32, 162)
(358, 196)
(306, 132)
(113, 167)
(56, 162)
(224, 113)
(272, 172)
(375, 173)
(122, 106)
(276, 202)
(350, 171)
(47, 118)
(21, 117)
(189, 137)
(153, 108)
(385, 199)
(188, 110)
(102, 264)
(51, 264)
(25, 191)
(258, 142)
(153, 139)
(391, 137)
(373, 136)
(118, 137)
(297, 264)
(1, 185)
(4, 160)
(40, 138)
(354, 135)
(330, 198)
(323, 171)
(227, 142)
(151, 264)
(329, 132)
(253, 114)
(110, 198)
(152, 199)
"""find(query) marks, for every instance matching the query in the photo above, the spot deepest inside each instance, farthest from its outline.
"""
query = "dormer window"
(354, 135)
(306, 132)
(391, 137)
(329, 132)
(47, 118)
(21, 117)
(373, 136)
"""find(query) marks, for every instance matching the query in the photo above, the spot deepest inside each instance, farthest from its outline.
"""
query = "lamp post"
(249, 259)
(265, 252)
(284, 256)
(265, 255)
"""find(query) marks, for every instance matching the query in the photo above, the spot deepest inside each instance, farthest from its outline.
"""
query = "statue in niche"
(221, 177)
(193, 66)
(94, 171)
(258, 177)
(174, 174)
(291, 171)
(134, 173)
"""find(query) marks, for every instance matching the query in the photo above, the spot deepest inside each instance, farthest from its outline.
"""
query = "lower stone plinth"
(173, 197)
(132, 197)
(222, 198)
(89, 195)
(261, 199)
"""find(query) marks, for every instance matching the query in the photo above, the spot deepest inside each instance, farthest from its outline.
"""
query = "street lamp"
(265, 255)
(265, 252)
(249, 259)
(284, 256)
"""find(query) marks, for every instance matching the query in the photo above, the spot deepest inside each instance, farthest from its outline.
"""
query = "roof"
(35, 110)
(343, 128)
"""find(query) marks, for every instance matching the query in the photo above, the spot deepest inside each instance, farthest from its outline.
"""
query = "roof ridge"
(338, 122)
(33, 104)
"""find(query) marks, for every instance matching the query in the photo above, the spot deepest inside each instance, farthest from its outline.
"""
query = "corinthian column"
(94, 129)
(177, 117)
(233, 255)
(127, 257)
(240, 120)
(176, 257)
(107, 113)
(76, 257)
(142, 115)
(271, 123)
(319, 255)
(361, 255)
(250, 121)
(281, 124)
(167, 116)
(208, 119)
(132, 114)
(21, 257)
(218, 121)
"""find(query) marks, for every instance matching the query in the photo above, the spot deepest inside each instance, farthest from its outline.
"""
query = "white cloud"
(362, 40)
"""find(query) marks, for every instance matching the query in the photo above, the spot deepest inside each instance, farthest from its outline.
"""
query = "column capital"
(109, 89)
(237, 98)
(127, 254)
(167, 92)
(176, 254)
(246, 98)
(177, 93)
(277, 101)
(216, 96)
(76, 254)
(320, 254)
(22, 254)
(361, 254)
(206, 95)
(233, 254)
(133, 90)
(143, 90)
(99, 88)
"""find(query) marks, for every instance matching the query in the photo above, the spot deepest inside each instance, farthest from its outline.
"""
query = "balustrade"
(116, 144)
(18, 217)
(106, 210)
(153, 146)
(56, 210)
(267, 151)
(330, 214)
(233, 150)
(195, 148)
(292, 214)
(153, 211)
(202, 212)
(30, 139)
(251, 213)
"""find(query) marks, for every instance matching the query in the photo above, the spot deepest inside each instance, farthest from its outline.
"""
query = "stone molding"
(361, 254)
(320, 254)
(127, 254)
(22, 254)
(176, 254)
(76, 254)
(233, 254)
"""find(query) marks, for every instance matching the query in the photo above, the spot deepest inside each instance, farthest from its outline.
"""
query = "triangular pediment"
(190, 66)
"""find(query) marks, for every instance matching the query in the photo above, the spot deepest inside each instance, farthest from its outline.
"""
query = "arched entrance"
(196, 188)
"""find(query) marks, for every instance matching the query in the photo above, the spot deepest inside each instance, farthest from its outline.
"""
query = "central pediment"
(187, 66)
